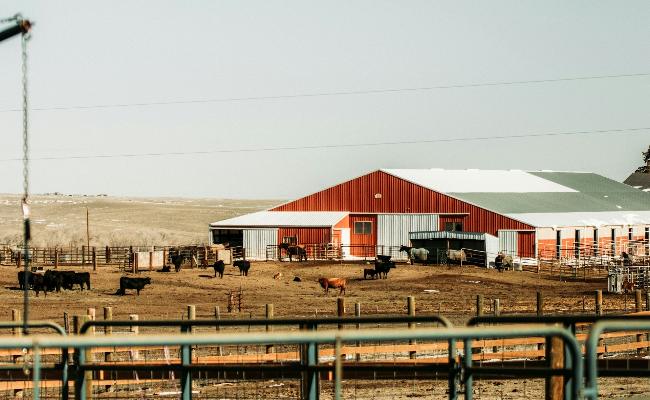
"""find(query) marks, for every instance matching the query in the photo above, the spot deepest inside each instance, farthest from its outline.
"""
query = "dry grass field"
(114, 221)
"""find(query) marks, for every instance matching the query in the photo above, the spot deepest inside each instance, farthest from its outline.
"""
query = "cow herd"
(53, 281)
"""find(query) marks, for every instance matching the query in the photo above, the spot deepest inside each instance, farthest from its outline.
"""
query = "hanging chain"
(11, 19)
(24, 203)
(24, 39)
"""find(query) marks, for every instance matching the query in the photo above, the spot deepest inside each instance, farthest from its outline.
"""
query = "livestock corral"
(282, 290)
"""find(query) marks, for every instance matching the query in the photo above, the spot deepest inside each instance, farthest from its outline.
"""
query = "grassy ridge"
(61, 220)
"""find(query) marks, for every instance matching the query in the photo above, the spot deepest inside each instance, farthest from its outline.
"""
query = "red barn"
(522, 213)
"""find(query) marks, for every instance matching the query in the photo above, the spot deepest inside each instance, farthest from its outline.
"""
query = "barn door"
(508, 242)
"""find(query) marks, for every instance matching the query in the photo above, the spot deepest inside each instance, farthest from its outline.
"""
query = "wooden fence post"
(479, 305)
(357, 313)
(340, 312)
(191, 315)
(599, 302)
(497, 308)
(108, 330)
(555, 355)
(94, 255)
(135, 354)
(217, 316)
(269, 315)
(78, 321)
(66, 322)
(15, 317)
(540, 312)
(410, 308)
(638, 303)
(56, 258)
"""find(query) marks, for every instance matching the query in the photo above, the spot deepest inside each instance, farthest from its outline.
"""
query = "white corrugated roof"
(283, 219)
(474, 180)
(550, 220)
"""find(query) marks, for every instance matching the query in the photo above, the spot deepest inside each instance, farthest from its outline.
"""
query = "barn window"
(629, 233)
(613, 241)
(595, 241)
(576, 244)
(363, 228)
(558, 244)
(647, 239)
(453, 226)
(292, 240)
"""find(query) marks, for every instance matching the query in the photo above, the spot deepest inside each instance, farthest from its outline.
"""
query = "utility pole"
(87, 231)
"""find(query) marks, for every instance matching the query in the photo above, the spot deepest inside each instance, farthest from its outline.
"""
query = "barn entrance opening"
(480, 248)
(233, 237)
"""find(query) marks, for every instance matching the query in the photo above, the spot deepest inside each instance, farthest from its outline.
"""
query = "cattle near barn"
(522, 214)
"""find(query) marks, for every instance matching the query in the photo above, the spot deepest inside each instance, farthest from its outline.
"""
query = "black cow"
(34, 281)
(81, 278)
(383, 268)
(53, 280)
(38, 283)
(132, 283)
(243, 266)
(369, 272)
(219, 267)
(21, 279)
(177, 259)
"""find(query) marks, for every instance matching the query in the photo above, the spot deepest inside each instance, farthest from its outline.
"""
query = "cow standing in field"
(132, 283)
(243, 266)
(219, 266)
(34, 281)
(327, 283)
(177, 259)
(21, 279)
(382, 268)
(369, 272)
(53, 280)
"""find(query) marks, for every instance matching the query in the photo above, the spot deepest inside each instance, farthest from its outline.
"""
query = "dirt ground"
(449, 291)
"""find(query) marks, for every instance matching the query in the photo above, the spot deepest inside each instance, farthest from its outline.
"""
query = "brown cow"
(327, 283)
(628, 286)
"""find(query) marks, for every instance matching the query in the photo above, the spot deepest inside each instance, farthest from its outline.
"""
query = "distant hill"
(61, 219)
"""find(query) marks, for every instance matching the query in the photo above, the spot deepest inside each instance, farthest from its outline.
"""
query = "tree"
(645, 169)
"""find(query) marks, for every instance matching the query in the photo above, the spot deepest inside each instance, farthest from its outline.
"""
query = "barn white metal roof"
(479, 181)
(283, 219)
(552, 220)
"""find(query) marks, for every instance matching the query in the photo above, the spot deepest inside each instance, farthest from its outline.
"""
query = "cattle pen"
(399, 368)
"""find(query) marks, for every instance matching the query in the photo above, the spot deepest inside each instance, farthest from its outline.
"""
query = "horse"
(420, 254)
(457, 256)
(293, 250)
(327, 283)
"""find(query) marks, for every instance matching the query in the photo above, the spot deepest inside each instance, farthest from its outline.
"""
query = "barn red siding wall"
(526, 244)
(370, 240)
(398, 196)
(306, 235)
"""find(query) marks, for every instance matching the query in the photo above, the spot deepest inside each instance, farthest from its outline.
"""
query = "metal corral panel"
(255, 241)
(508, 242)
(393, 229)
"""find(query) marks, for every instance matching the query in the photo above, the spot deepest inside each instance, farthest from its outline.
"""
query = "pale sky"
(85, 53)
